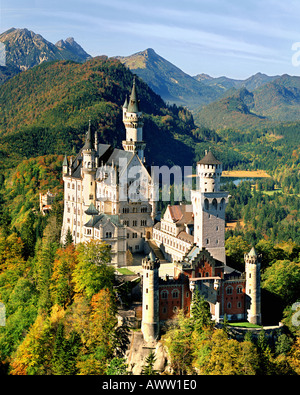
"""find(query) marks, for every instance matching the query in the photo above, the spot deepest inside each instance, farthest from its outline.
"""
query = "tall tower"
(209, 205)
(253, 292)
(150, 318)
(89, 168)
(133, 121)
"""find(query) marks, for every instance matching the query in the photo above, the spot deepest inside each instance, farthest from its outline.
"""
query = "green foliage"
(148, 368)
(92, 274)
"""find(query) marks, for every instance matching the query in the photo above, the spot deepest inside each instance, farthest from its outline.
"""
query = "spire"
(133, 100)
(125, 105)
(89, 140)
(65, 162)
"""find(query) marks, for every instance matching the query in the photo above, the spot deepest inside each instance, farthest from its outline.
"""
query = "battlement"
(148, 264)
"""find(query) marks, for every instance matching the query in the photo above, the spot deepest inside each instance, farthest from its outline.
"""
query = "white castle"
(109, 195)
(101, 200)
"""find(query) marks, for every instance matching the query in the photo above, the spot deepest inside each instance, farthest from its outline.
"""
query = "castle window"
(134, 235)
(164, 310)
(215, 204)
(146, 290)
(134, 223)
(239, 305)
(206, 204)
(164, 294)
(146, 307)
(239, 290)
(175, 294)
(143, 209)
(175, 309)
(229, 305)
(143, 222)
(229, 290)
(91, 197)
(73, 186)
(68, 185)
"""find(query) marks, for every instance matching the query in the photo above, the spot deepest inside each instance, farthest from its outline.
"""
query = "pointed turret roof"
(209, 159)
(133, 100)
(65, 162)
(89, 139)
(253, 252)
(125, 105)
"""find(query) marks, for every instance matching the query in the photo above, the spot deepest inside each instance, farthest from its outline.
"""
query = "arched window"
(215, 204)
(175, 294)
(206, 204)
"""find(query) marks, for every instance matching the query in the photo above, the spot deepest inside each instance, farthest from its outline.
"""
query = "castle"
(104, 201)
(101, 199)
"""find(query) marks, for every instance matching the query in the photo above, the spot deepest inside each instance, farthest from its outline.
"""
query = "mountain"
(276, 101)
(223, 84)
(25, 49)
(168, 81)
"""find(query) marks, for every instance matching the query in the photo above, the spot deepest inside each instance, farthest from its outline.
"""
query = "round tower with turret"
(209, 205)
(150, 318)
(253, 292)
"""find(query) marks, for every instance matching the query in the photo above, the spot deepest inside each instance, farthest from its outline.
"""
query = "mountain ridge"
(26, 49)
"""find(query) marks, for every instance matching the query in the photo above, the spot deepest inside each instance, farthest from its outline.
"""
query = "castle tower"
(89, 156)
(133, 121)
(209, 205)
(253, 292)
(150, 318)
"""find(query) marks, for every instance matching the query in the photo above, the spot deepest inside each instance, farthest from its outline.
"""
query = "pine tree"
(200, 312)
(148, 369)
(68, 238)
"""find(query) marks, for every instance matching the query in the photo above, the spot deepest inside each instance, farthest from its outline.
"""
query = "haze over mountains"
(215, 102)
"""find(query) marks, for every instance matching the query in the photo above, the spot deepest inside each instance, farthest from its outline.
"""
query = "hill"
(46, 109)
(276, 101)
(168, 81)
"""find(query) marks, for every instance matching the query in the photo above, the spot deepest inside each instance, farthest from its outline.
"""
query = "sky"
(235, 38)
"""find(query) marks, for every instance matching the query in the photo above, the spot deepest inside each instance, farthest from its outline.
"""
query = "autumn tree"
(92, 272)
(62, 286)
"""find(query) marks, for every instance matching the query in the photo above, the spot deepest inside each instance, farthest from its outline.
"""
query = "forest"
(61, 300)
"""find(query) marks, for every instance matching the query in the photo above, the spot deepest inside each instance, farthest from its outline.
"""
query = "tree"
(148, 368)
(62, 285)
(235, 248)
(178, 342)
(200, 312)
(283, 279)
(68, 238)
(99, 346)
(92, 273)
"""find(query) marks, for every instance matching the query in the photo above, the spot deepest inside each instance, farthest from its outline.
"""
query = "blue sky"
(219, 37)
